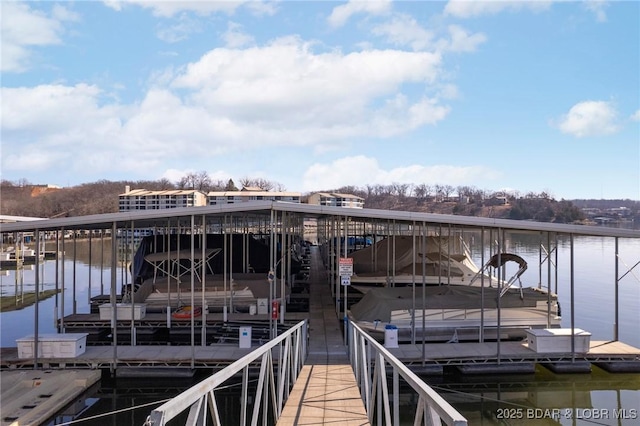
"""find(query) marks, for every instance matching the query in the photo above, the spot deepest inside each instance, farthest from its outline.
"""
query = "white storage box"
(558, 340)
(68, 345)
(263, 306)
(390, 336)
(245, 337)
(123, 311)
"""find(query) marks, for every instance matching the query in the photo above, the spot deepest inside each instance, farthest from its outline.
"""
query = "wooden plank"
(326, 391)
(324, 394)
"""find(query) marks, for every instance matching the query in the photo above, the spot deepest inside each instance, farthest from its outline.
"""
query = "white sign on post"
(345, 280)
(345, 267)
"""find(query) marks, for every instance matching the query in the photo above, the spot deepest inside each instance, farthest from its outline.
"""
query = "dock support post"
(114, 319)
(37, 304)
(617, 282)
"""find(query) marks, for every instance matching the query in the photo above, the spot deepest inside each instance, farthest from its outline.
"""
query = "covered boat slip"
(215, 272)
(281, 227)
(455, 313)
(238, 292)
(439, 259)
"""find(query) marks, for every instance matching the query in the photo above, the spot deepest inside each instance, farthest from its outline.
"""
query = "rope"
(111, 413)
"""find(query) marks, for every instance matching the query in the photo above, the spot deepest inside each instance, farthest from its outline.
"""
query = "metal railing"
(272, 389)
(369, 360)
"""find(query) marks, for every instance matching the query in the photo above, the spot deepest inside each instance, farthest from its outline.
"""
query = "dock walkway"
(31, 397)
(326, 390)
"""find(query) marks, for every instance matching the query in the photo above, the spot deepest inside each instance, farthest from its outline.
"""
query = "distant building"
(142, 199)
(336, 200)
(250, 194)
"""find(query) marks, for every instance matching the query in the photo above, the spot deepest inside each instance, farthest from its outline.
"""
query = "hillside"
(102, 197)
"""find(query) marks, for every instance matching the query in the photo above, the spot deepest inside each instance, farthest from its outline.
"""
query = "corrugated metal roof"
(146, 192)
(252, 193)
(150, 218)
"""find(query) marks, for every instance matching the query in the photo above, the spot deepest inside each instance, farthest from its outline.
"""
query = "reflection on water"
(132, 400)
(544, 398)
(77, 281)
(594, 280)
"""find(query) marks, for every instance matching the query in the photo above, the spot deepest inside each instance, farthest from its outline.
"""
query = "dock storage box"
(390, 336)
(558, 340)
(245, 337)
(68, 345)
(263, 306)
(123, 311)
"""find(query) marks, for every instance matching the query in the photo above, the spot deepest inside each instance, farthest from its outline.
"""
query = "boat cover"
(378, 303)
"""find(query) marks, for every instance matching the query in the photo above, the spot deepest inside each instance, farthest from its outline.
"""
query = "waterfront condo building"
(250, 194)
(336, 200)
(142, 199)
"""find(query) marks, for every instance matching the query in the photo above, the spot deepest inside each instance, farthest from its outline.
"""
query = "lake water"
(543, 398)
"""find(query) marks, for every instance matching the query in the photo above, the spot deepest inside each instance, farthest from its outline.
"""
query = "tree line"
(24, 199)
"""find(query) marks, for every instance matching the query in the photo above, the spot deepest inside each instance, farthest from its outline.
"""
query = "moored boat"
(186, 312)
(404, 260)
(453, 312)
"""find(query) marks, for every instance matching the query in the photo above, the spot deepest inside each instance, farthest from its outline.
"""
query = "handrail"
(369, 360)
(273, 385)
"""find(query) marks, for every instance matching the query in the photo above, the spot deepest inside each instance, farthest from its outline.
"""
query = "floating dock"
(31, 397)
(156, 343)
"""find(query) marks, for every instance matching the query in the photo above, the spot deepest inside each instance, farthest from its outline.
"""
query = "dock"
(326, 390)
(31, 397)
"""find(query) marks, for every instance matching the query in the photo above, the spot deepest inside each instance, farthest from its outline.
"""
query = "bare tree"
(447, 190)
(202, 181)
(399, 189)
(199, 180)
(184, 182)
(264, 184)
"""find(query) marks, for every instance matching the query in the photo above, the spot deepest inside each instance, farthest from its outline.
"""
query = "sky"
(518, 96)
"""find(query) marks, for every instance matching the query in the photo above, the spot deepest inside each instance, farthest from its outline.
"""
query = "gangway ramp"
(326, 391)
(325, 394)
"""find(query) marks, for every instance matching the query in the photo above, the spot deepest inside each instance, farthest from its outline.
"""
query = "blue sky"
(518, 96)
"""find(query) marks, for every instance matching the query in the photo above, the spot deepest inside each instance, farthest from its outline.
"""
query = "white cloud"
(280, 95)
(597, 7)
(471, 9)
(65, 123)
(24, 29)
(404, 30)
(589, 118)
(235, 37)
(169, 8)
(262, 8)
(285, 91)
(362, 171)
(636, 116)
(178, 30)
(341, 14)
(462, 41)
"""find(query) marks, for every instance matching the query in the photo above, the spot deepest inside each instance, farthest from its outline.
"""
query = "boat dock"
(29, 397)
(327, 388)
(326, 342)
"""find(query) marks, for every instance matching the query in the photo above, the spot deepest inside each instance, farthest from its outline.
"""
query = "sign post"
(345, 269)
